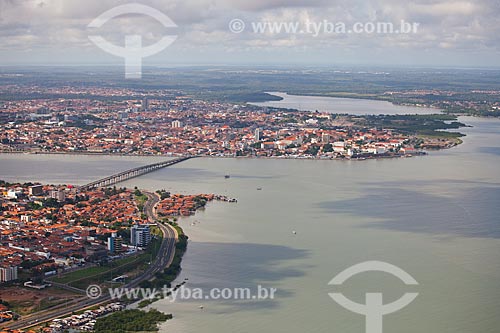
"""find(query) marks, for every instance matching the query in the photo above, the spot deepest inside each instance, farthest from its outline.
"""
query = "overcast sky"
(458, 33)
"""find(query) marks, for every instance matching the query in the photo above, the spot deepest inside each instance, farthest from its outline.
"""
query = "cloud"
(259, 5)
(465, 26)
(448, 8)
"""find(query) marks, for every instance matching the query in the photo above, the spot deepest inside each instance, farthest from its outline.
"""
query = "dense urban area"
(55, 240)
(166, 123)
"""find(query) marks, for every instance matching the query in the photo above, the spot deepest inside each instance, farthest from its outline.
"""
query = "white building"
(140, 235)
(339, 146)
(13, 194)
(114, 243)
(59, 195)
(257, 134)
(26, 218)
(8, 273)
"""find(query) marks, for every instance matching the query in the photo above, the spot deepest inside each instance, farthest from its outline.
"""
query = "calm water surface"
(342, 105)
(434, 216)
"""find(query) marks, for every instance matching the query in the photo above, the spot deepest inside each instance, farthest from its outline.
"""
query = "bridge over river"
(135, 172)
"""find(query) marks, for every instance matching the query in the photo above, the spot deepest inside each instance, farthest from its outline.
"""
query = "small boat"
(227, 176)
(294, 232)
(201, 307)
(259, 188)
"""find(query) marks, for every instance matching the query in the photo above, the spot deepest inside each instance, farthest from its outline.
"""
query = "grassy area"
(179, 230)
(80, 274)
(156, 231)
(113, 272)
(93, 271)
(141, 199)
(82, 278)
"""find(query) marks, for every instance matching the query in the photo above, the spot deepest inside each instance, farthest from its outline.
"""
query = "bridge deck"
(128, 174)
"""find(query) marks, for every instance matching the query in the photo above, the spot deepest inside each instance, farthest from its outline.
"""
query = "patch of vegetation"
(252, 97)
(424, 125)
(140, 198)
(313, 150)
(163, 194)
(131, 321)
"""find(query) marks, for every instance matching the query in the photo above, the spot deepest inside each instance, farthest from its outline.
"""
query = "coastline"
(174, 267)
(380, 156)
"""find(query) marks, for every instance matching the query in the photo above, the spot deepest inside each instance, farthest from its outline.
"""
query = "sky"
(450, 33)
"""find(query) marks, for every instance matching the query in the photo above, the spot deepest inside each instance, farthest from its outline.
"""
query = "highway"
(162, 260)
(169, 233)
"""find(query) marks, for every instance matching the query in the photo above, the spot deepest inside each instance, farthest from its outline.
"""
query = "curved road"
(162, 260)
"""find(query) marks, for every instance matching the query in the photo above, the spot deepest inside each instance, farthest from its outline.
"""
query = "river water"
(435, 216)
(342, 105)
